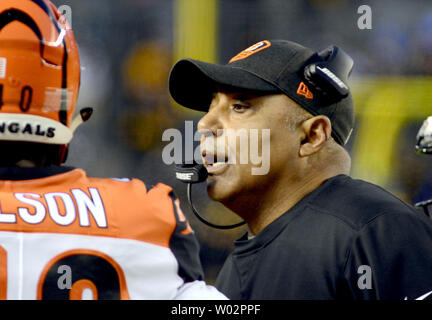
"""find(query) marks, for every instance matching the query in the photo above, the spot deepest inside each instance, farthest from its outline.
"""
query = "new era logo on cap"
(251, 50)
(304, 91)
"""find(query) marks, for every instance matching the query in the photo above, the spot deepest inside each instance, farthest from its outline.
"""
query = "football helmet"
(39, 73)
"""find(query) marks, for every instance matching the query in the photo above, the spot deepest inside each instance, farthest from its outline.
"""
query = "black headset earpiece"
(330, 75)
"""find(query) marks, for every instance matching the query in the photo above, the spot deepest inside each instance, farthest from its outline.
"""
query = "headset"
(329, 76)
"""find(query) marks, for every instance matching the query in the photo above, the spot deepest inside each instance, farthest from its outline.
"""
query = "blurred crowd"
(127, 51)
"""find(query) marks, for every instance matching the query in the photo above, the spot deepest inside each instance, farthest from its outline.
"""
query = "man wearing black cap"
(313, 232)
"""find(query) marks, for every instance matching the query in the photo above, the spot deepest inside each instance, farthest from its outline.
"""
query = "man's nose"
(210, 124)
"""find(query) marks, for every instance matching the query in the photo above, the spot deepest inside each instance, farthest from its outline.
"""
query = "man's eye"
(239, 107)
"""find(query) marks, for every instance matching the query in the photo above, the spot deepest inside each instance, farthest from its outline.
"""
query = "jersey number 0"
(91, 270)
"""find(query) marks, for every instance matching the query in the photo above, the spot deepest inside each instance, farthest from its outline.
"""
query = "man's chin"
(218, 191)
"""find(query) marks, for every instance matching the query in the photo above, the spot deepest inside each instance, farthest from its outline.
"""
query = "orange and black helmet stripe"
(11, 15)
(63, 104)
(49, 12)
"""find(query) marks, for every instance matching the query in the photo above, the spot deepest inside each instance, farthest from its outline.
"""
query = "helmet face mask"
(39, 73)
(424, 137)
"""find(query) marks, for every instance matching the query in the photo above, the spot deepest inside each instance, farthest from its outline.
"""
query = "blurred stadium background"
(128, 47)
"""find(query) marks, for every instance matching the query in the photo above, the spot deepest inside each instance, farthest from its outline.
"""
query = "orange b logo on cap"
(251, 50)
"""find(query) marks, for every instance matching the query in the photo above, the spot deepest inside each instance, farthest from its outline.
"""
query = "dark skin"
(299, 161)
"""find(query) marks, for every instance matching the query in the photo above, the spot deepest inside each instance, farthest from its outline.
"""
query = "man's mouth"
(213, 163)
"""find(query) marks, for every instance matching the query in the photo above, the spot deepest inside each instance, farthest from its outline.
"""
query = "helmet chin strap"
(64, 150)
(84, 115)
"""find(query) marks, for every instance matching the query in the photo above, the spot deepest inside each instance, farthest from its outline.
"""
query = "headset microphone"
(191, 173)
(197, 173)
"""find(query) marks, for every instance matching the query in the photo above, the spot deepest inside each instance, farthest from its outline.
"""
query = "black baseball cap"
(276, 66)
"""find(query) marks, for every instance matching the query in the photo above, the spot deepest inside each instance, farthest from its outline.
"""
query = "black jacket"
(348, 239)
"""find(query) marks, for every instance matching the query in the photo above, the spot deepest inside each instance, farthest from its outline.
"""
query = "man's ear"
(316, 131)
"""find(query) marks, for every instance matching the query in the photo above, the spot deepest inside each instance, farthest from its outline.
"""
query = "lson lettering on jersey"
(62, 208)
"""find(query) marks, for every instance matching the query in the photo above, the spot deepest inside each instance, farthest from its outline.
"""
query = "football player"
(64, 235)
